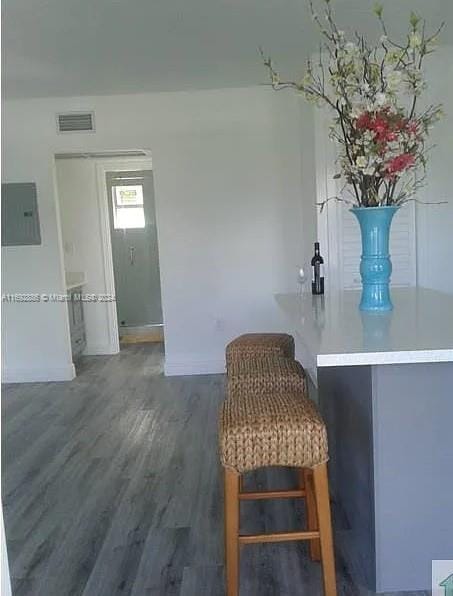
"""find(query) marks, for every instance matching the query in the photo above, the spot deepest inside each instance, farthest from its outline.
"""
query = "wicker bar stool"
(285, 429)
(265, 375)
(259, 345)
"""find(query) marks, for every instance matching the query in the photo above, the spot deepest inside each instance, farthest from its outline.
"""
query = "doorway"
(135, 255)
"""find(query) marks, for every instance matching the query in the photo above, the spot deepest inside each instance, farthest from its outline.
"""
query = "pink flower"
(384, 126)
(412, 127)
(379, 125)
(364, 121)
(398, 164)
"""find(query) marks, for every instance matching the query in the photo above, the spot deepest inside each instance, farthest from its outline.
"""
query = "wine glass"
(301, 279)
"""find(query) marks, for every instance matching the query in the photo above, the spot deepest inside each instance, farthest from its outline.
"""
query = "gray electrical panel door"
(20, 218)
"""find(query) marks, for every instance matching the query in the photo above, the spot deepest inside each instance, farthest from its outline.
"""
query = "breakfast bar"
(384, 382)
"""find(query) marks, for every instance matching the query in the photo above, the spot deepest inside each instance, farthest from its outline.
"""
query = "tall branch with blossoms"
(373, 91)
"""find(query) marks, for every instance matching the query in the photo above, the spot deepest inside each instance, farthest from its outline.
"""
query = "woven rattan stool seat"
(285, 429)
(258, 345)
(265, 375)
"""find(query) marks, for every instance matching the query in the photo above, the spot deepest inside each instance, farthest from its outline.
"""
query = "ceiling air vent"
(75, 122)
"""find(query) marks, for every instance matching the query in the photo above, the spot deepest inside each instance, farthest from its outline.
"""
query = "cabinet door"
(71, 316)
(77, 307)
(76, 322)
(78, 342)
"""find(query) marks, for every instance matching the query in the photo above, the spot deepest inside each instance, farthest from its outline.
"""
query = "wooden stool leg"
(321, 485)
(232, 532)
(312, 516)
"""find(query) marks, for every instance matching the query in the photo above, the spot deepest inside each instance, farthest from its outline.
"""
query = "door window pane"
(129, 218)
(128, 209)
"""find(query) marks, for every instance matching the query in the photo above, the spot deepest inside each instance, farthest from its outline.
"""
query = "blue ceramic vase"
(375, 265)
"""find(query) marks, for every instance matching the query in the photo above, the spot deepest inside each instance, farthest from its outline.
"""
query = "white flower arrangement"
(373, 91)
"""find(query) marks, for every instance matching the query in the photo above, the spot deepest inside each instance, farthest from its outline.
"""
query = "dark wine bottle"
(317, 265)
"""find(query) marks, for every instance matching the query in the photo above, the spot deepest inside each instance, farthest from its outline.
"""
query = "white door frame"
(102, 167)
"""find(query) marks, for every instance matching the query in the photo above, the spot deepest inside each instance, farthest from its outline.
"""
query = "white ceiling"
(84, 47)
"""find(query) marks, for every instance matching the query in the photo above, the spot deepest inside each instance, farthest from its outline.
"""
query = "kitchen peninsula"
(385, 389)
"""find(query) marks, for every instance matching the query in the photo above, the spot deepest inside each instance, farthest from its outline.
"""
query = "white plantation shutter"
(402, 248)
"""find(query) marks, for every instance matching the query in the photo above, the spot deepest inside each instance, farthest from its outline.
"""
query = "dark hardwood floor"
(112, 486)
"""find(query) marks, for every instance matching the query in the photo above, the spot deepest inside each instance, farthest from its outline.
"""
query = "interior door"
(134, 247)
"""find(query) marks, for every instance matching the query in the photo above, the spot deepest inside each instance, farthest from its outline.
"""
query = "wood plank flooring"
(112, 486)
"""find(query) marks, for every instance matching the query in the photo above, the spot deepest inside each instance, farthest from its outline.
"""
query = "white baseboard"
(38, 375)
(190, 367)
(172, 368)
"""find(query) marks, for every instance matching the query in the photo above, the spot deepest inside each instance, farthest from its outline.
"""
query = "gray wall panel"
(413, 439)
(345, 395)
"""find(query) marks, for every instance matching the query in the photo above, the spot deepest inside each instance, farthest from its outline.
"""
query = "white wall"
(35, 337)
(229, 209)
(76, 189)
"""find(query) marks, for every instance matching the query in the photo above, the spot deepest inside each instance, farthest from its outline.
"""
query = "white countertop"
(75, 279)
(334, 332)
